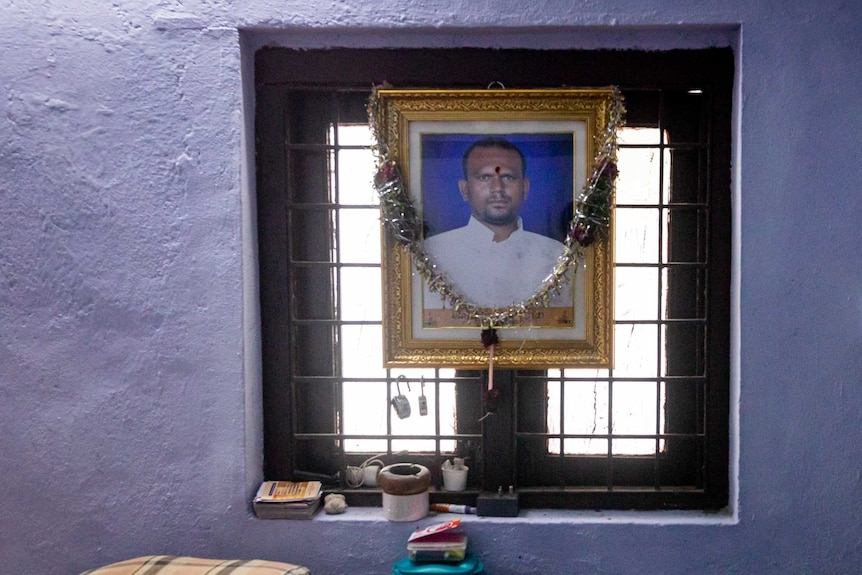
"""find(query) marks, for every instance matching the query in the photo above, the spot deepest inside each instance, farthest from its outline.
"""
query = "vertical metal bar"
(437, 451)
(662, 261)
(704, 307)
(389, 447)
(562, 415)
(498, 441)
(513, 451)
(609, 474)
(338, 383)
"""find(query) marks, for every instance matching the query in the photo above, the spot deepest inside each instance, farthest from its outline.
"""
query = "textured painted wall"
(129, 411)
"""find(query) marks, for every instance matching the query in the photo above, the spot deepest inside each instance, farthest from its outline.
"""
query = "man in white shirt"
(493, 261)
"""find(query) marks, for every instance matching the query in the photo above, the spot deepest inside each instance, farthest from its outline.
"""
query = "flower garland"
(590, 222)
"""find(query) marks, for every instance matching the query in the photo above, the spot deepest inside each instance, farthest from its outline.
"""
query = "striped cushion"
(168, 565)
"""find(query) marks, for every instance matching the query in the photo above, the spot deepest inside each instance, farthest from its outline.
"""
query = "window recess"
(651, 433)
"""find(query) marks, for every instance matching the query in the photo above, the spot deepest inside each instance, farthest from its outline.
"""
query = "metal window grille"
(311, 272)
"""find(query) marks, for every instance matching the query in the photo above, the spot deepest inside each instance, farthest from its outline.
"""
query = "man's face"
(495, 186)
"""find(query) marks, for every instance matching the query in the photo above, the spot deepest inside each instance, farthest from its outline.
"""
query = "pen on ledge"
(451, 508)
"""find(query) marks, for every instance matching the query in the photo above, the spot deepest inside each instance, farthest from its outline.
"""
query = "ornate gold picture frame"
(498, 208)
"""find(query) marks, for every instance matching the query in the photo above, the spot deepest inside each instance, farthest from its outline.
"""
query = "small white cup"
(369, 475)
(455, 478)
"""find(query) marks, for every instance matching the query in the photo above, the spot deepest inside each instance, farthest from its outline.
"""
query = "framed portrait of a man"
(494, 178)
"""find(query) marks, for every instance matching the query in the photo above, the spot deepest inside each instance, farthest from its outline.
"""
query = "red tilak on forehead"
(497, 169)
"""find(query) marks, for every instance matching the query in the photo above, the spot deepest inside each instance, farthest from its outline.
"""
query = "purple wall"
(129, 369)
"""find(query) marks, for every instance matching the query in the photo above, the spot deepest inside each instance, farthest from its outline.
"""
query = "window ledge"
(556, 516)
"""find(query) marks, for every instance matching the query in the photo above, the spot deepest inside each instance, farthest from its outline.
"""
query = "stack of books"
(288, 499)
(438, 543)
(438, 549)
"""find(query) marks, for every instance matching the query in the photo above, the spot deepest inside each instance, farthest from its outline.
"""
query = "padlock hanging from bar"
(400, 401)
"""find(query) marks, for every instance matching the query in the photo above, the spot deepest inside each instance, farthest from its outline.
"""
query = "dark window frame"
(640, 75)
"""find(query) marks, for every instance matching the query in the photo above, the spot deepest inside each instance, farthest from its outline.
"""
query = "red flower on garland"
(385, 174)
(583, 235)
(609, 170)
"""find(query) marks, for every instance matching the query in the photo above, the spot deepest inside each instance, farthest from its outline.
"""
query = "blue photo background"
(548, 208)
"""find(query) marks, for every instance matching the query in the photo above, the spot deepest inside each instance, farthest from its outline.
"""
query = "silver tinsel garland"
(590, 221)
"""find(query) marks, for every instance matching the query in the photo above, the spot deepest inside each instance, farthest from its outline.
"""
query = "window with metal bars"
(650, 433)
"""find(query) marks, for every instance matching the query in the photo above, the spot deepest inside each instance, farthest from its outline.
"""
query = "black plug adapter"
(499, 504)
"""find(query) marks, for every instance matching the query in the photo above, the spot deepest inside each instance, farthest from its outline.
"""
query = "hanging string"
(491, 394)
